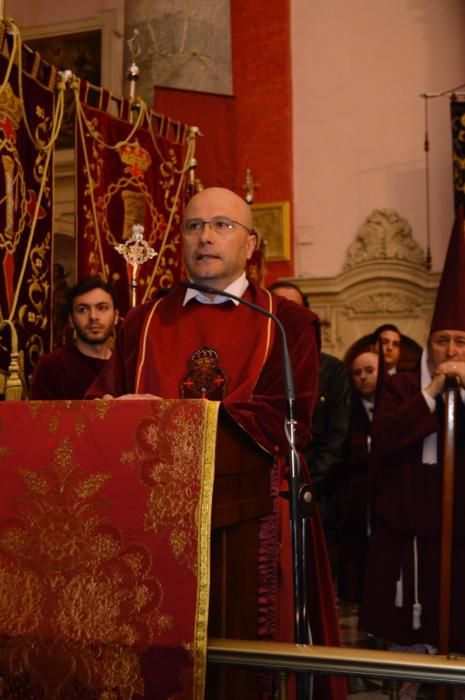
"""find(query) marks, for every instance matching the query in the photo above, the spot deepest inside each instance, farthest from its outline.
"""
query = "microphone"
(288, 377)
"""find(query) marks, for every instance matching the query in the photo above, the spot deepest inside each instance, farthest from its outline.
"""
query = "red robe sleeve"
(119, 374)
(402, 417)
(263, 415)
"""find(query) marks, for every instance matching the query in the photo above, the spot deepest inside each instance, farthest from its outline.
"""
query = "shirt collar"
(368, 405)
(237, 288)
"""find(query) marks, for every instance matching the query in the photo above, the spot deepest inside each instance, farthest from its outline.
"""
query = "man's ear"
(116, 319)
(252, 243)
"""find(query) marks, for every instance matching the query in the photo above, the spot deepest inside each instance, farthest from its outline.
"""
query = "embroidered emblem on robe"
(205, 379)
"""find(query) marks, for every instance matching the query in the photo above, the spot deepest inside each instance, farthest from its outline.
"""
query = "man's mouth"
(203, 257)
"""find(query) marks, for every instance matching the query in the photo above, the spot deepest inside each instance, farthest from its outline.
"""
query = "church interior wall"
(357, 118)
(358, 70)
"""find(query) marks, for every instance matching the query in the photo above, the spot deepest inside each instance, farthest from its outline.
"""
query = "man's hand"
(446, 369)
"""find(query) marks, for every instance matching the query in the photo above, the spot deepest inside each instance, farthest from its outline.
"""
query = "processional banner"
(457, 110)
(104, 548)
(27, 126)
(129, 174)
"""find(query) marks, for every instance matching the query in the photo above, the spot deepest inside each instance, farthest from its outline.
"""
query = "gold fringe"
(204, 536)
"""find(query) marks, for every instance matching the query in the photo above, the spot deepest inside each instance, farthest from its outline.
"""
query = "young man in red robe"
(67, 373)
(195, 345)
(401, 595)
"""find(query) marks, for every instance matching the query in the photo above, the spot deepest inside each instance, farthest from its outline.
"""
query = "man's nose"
(451, 349)
(206, 233)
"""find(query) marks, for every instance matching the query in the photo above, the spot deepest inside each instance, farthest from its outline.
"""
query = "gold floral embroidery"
(81, 601)
(84, 412)
(170, 446)
(167, 446)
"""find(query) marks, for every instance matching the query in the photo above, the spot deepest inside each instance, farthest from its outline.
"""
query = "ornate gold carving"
(387, 302)
(10, 106)
(384, 235)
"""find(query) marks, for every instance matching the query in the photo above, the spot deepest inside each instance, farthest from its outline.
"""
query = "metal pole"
(343, 661)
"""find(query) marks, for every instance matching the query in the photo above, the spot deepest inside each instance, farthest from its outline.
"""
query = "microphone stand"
(300, 496)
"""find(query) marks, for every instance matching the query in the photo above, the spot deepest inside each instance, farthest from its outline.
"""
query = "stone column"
(184, 44)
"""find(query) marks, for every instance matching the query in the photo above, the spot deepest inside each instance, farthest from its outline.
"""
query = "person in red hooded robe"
(401, 599)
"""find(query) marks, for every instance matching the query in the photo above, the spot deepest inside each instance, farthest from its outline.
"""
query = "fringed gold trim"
(204, 538)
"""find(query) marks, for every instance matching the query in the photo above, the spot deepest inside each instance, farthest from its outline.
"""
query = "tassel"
(399, 599)
(416, 616)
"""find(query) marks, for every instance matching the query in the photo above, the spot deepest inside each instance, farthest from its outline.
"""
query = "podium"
(241, 497)
(104, 540)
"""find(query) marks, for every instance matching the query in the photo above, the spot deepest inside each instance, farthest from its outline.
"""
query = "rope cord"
(144, 114)
(95, 135)
(46, 148)
(189, 154)
(11, 27)
(31, 234)
(79, 116)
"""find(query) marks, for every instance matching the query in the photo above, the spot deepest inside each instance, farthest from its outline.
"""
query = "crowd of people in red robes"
(375, 459)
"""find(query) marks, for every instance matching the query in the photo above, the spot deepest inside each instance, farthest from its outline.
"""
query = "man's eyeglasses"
(219, 224)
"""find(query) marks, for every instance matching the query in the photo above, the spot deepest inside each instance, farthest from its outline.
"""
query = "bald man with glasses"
(192, 344)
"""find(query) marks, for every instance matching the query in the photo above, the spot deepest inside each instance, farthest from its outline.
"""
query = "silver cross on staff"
(136, 251)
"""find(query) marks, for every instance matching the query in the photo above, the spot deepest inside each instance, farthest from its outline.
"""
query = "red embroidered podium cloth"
(104, 548)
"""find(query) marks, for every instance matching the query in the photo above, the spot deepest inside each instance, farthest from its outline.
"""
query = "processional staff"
(448, 480)
(250, 186)
(136, 251)
(133, 70)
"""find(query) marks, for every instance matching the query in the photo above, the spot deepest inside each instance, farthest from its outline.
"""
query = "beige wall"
(358, 68)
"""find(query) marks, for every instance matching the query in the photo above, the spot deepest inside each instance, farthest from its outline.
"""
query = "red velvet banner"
(126, 175)
(26, 200)
(104, 548)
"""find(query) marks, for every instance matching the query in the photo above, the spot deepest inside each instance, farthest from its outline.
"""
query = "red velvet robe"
(64, 374)
(152, 355)
(406, 502)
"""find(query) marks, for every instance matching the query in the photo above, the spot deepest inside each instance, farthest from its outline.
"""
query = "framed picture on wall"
(82, 54)
(92, 48)
(272, 222)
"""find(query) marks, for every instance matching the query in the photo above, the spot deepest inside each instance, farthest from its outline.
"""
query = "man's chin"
(209, 279)
(93, 339)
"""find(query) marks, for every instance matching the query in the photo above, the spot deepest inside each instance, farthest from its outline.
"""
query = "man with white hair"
(401, 598)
